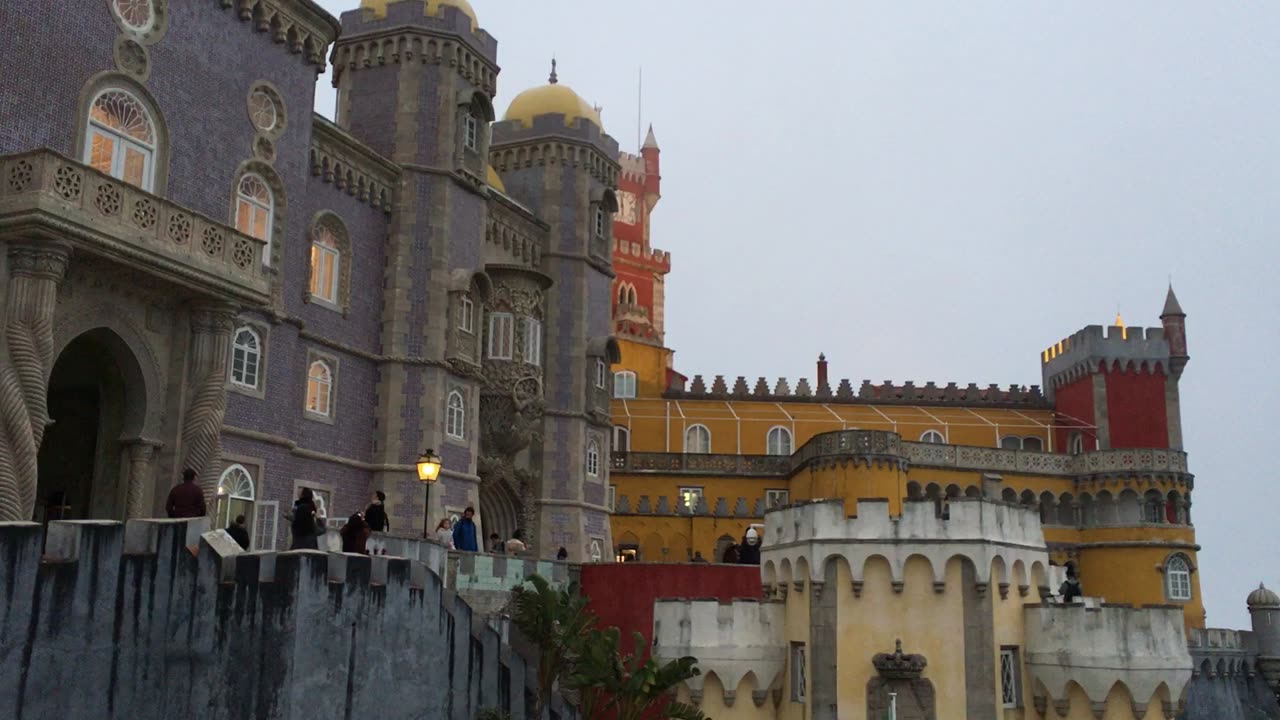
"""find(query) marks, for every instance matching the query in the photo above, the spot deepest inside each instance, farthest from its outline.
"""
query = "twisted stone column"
(35, 272)
(141, 455)
(211, 326)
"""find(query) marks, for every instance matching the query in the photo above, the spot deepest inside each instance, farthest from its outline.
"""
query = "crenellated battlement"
(1144, 649)
(736, 641)
(1093, 348)
(886, 393)
(998, 538)
(550, 142)
(633, 167)
(659, 260)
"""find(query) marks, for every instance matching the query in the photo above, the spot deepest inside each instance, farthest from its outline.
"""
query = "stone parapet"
(887, 393)
(730, 640)
(101, 215)
(1145, 649)
(486, 581)
(1094, 348)
(349, 165)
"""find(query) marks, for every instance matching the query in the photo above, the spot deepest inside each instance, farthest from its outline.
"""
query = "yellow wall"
(851, 482)
(649, 363)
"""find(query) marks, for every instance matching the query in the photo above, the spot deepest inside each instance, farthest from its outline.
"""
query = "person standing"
(239, 532)
(444, 533)
(376, 514)
(496, 546)
(464, 533)
(355, 535)
(186, 499)
(302, 522)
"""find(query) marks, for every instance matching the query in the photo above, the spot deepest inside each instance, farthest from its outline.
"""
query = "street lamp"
(428, 471)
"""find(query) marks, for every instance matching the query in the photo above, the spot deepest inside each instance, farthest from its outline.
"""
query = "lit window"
(690, 497)
(933, 437)
(471, 132)
(778, 441)
(593, 458)
(697, 440)
(600, 222)
(121, 139)
(1075, 443)
(254, 206)
(532, 341)
(455, 419)
(466, 315)
(1032, 443)
(613, 497)
(624, 384)
(621, 439)
(235, 495)
(137, 15)
(320, 388)
(776, 498)
(501, 331)
(326, 263)
(246, 358)
(602, 372)
(1009, 674)
(1177, 574)
(797, 672)
(1011, 442)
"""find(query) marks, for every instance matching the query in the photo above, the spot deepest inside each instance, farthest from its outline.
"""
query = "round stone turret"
(1263, 598)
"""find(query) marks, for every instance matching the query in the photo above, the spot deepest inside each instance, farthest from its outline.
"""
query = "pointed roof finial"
(553, 79)
(650, 141)
(1171, 305)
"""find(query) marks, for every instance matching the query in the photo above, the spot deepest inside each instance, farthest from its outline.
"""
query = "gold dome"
(495, 180)
(552, 99)
(379, 8)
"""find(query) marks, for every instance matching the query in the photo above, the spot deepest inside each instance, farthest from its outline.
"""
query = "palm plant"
(556, 621)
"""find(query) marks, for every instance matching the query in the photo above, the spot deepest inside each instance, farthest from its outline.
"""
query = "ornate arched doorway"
(499, 510)
(89, 457)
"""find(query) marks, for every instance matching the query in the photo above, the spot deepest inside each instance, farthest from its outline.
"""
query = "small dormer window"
(600, 226)
(470, 132)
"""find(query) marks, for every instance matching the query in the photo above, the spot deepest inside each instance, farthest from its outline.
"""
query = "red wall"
(622, 594)
(1136, 409)
(1074, 404)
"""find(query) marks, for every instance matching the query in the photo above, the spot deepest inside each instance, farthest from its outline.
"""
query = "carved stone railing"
(1101, 462)
(702, 464)
(46, 193)
(633, 313)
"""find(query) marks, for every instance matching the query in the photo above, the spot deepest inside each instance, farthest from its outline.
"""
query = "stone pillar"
(142, 454)
(211, 325)
(36, 270)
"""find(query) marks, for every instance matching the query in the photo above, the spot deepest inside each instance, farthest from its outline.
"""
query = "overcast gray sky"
(939, 190)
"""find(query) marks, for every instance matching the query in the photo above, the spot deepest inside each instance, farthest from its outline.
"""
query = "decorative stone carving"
(899, 674)
(141, 454)
(35, 272)
(211, 327)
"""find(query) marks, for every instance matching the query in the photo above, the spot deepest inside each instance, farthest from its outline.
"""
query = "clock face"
(627, 210)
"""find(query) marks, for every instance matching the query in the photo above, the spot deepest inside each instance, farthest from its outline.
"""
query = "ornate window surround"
(119, 81)
(332, 363)
(273, 252)
(281, 110)
(1167, 580)
(455, 415)
(261, 330)
(150, 34)
(782, 432)
(330, 221)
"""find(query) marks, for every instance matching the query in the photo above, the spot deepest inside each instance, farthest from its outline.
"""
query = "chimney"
(822, 371)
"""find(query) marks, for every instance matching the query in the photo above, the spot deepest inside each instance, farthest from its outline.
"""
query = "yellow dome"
(550, 99)
(379, 8)
(495, 180)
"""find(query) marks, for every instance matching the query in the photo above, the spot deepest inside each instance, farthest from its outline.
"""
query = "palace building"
(200, 272)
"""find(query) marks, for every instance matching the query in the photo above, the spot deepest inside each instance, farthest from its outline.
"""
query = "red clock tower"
(641, 270)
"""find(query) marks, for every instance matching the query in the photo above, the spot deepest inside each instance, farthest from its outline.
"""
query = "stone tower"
(415, 82)
(639, 292)
(556, 160)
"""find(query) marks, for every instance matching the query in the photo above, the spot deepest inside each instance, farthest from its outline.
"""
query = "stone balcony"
(44, 195)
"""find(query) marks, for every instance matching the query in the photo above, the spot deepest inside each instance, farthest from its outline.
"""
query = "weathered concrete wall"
(161, 619)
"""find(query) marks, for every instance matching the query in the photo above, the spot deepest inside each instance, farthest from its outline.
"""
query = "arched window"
(621, 439)
(246, 357)
(235, 495)
(254, 206)
(320, 388)
(593, 458)
(1032, 443)
(455, 418)
(697, 440)
(470, 131)
(1011, 442)
(934, 437)
(778, 441)
(326, 265)
(631, 295)
(624, 384)
(1177, 576)
(121, 138)
(1075, 443)
(622, 293)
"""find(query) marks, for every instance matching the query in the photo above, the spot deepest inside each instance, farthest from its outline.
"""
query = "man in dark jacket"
(464, 532)
(187, 499)
(375, 516)
(239, 532)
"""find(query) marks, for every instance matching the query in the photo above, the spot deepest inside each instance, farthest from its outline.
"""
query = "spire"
(553, 79)
(650, 141)
(1171, 306)
(1124, 330)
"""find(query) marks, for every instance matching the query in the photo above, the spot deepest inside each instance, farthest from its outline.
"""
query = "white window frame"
(621, 439)
(455, 416)
(612, 497)
(319, 252)
(325, 382)
(624, 385)
(467, 315)
(690, 497)
(532, 341)
(797, 663)
(246, 353)
(1178, 578)
(1075, 443)
(690, 448)
(933, 437)
(151, 17)
(256, 206)
(470, 131)
(593, 458)
(1010, 674)
(266, 520)
(502, 330)
(120, 141)
(602, 372)
(776, 498)
(772, 448)
(600, 224)
(224, 495)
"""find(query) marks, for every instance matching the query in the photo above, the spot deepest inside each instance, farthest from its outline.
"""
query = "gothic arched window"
(121, 140)
(254, 208)
(246, 357)
(455, 417)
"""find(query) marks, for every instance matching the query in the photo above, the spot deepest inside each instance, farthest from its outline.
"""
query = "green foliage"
(590, 662)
